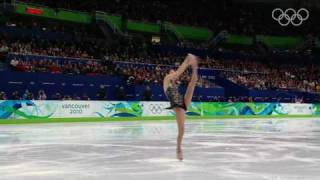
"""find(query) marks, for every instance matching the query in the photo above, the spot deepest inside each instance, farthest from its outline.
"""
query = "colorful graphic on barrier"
(316, 109)
(122, 109)
(26, 109)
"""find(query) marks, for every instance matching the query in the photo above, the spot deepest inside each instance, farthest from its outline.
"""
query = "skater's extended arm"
(189, 60)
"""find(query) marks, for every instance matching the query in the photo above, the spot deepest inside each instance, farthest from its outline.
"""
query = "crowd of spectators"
(248, 72)
(146, 75)
(27, 95)
(147, 95)
(274, 82)
(277, 76)
(84, 67)
(143, 74)
(55, 48)
(40, 95)
(254, 75)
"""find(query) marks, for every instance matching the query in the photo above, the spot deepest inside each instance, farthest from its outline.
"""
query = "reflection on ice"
(274, 149)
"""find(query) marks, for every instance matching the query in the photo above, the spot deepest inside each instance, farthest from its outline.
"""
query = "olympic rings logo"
(156, 108)
(290, 15)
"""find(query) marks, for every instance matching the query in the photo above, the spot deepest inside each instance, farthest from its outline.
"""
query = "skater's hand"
(192, 56)
(192, 59)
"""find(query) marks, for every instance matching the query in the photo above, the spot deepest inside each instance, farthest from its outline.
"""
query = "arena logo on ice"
(75, 108)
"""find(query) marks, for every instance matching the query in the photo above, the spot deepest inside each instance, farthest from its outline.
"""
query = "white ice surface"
(277, 149)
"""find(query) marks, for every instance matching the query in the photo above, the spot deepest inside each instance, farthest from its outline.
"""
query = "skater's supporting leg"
(180, 117)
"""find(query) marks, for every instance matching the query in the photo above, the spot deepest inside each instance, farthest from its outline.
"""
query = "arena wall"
(27, 109)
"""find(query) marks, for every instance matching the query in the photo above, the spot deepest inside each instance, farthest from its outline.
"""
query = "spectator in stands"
(298, 100)
(76, 97)
(120, 93)
(55, 68)
(102, 93)
(15, 95)
(4, 49)
(3, 95)
(85, 97)
(27, 95)
(318, 87)
(42, 95)
(147, 94)
(13, 63)
(56, 96)
(66, 97)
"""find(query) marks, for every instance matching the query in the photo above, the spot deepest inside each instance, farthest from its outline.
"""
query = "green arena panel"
(239, 39)
(143, 27)
(79, 17)
(280, 41)
(193, 33)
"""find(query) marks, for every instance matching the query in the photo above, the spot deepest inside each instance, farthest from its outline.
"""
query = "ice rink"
(266, 149)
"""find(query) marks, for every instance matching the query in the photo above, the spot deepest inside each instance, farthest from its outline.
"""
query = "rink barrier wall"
(29, 109)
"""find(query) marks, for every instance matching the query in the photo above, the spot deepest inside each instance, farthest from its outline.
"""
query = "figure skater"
(178, 102)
